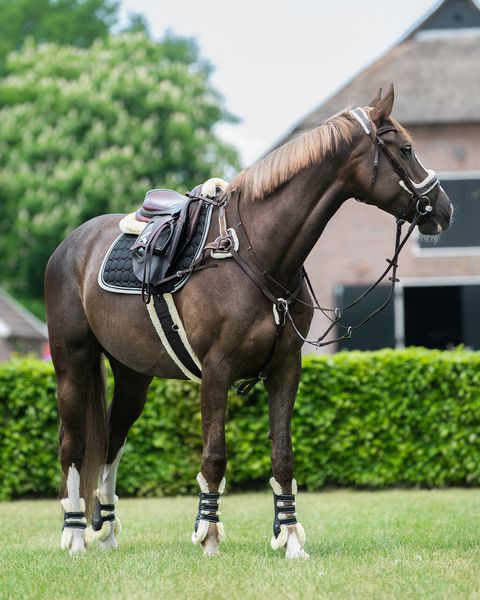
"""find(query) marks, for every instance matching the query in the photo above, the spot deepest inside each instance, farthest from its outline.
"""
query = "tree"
(88, 131)
(75, 22)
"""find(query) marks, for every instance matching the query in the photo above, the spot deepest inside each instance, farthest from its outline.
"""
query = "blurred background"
(101, 100)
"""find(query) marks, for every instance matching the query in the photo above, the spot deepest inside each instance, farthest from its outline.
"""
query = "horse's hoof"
(109, 544)
(76, 551)
(210, 550)
(297, 553)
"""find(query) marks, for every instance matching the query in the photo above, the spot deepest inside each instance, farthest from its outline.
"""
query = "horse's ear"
(383, 108)
(374, 101)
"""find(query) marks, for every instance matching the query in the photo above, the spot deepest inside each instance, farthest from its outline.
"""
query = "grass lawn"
(393, 544)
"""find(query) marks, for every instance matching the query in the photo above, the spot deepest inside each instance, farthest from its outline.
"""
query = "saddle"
(159, 203)
(172, 221)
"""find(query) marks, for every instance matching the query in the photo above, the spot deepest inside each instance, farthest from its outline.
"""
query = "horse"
(278, 208)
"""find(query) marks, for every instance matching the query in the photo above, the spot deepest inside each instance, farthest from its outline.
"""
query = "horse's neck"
(284, 227)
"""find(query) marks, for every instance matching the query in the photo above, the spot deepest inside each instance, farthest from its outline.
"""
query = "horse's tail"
(95, 434)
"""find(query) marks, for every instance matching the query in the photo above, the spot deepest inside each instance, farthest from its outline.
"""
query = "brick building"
(436, 72)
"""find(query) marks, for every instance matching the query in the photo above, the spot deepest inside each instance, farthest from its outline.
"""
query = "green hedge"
(370, 419)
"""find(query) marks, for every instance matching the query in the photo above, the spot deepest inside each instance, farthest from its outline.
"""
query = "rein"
(420, 206)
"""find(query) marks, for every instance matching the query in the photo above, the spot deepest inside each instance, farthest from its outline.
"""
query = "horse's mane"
(283, 163)
(278, 167)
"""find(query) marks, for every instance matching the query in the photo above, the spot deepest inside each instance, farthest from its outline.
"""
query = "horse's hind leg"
(77, 359)
(209, 532)
(82, 411)
(282, 388)
(130, 392)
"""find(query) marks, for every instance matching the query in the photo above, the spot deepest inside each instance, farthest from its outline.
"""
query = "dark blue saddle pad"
(116, 273)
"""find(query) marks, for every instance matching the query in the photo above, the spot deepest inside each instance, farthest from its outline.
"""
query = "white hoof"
(210, 549)
(294, 548)
(110, 542)
(77, 551)
(299, 553)
(75, 542)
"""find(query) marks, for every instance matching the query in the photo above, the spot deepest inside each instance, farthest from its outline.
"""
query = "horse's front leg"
(282, 388)
(209, 531)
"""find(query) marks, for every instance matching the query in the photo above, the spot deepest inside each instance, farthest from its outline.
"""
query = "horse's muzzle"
(441, 217)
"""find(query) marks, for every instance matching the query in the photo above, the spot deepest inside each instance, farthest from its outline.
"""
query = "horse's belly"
(123, 328)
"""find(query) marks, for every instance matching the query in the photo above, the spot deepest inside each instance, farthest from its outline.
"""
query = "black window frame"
(424, 250)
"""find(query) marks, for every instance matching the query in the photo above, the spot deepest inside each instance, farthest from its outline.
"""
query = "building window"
(379, 332)
(435, 314)
(463, 238)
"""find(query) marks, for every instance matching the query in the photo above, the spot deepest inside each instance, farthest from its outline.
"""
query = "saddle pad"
(116, 273)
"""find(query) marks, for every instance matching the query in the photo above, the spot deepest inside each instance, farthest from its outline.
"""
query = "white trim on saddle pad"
(181, 332)
(138, 290)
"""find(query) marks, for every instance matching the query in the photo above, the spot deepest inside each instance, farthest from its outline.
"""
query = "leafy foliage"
(28, 429)
(75, 22)
(88, 131)
(371, 419)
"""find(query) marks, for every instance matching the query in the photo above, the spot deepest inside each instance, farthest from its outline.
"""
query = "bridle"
(420, 205)
(417, 191)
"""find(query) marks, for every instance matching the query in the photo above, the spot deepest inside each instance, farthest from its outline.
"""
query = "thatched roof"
(435, 69)
(17, 322)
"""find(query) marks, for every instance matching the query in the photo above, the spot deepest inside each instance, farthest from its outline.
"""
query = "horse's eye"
(407, 150)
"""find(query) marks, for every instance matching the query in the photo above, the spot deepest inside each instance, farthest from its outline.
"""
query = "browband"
(361, 116)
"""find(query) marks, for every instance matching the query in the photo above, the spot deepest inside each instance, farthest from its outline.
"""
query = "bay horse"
(285, 202)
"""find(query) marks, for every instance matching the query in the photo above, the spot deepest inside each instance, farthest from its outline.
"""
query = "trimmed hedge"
(369, 419)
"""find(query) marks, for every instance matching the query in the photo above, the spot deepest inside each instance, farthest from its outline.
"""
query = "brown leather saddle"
(172, 221)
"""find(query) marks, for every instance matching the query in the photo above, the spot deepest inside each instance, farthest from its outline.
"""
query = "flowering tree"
(75, 22)
(88, 131)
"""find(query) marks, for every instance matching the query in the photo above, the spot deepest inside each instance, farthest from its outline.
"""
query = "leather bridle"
(419, 206)
(281, 298)
(418, 191)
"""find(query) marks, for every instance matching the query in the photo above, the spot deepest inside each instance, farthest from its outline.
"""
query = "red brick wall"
(353, 248)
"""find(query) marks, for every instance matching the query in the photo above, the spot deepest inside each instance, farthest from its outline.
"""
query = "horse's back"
(87, 239)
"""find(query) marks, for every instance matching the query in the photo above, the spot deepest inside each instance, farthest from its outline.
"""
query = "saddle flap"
(160, 243)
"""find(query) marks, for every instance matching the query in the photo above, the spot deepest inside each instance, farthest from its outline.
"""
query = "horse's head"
(389, 174)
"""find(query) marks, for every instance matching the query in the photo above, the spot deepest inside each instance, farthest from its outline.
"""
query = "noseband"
(420, 202)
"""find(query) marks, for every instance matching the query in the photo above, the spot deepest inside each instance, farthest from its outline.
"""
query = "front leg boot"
(208, 515)
(288, 533)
